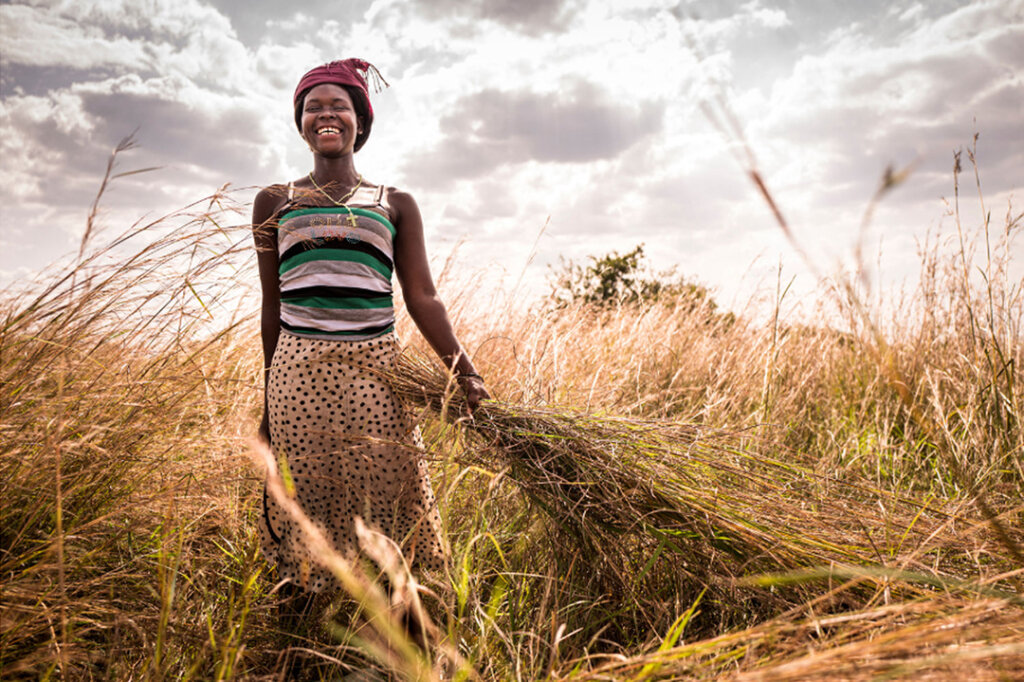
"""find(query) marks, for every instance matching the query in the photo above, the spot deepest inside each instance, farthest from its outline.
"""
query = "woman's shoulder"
(399, 201)
(271, 199)
(394, 193)
(271, 196)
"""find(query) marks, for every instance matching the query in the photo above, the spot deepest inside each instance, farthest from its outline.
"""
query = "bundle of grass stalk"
(714, 499)
(931, 638)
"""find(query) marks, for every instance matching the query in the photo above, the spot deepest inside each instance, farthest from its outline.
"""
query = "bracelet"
(466, 375)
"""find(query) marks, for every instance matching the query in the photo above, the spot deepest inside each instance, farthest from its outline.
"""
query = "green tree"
(622, 279)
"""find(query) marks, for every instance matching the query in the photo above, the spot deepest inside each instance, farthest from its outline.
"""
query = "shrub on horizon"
(615, 279)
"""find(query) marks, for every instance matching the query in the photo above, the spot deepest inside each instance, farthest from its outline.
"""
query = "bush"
(615, 280)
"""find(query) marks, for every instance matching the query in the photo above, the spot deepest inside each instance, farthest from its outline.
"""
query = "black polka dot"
(352, 452)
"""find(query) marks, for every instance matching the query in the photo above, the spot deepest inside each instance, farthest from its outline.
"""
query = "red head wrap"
(344, 72)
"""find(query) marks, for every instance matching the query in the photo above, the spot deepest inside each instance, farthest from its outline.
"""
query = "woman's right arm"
(264, 231)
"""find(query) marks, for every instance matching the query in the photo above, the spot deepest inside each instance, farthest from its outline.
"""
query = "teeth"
(327, 131)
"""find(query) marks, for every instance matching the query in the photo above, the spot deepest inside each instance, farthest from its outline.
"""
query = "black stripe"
(331, 292)
(337, 243)
(289, 205)
(365, 330)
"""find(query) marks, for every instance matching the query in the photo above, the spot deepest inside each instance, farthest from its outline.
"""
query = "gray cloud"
(885, 106)
(257, 20)
(172, 133)
(78, 77)
(844, 89)
(33, 79)
(813, 22)
(189, 144)
(491, 128)
(189, 39)
(532, 17)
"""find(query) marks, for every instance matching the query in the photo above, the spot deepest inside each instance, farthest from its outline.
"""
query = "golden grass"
(658, 494)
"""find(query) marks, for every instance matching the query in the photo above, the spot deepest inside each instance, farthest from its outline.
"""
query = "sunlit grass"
(656, 493)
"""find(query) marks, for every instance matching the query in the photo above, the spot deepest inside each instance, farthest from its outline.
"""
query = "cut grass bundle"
(934, 638)
(711, 497)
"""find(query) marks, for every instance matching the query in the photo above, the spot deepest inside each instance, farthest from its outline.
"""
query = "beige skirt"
(351, 450)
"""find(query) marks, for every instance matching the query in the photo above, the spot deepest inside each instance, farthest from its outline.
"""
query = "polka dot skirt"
(351, 451)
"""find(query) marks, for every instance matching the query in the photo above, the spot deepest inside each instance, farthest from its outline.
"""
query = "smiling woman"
(327, 245)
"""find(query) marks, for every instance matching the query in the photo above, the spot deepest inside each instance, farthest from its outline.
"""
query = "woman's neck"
(340, 170)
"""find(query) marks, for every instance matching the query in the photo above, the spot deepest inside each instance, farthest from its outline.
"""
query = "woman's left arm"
(421, 299)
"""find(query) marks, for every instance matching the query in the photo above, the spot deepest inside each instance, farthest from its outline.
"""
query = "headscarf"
(346, 73)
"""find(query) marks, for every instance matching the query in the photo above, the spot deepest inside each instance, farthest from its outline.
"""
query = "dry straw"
(587, 545)
(714, 497)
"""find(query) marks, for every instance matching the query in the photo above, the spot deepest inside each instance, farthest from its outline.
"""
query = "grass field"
(658, 493)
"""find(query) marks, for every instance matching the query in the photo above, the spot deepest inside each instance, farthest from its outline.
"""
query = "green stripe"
(334, 254)
(346, 303)
(341, 210)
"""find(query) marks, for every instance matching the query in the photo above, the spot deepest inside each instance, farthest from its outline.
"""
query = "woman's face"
(329, 121)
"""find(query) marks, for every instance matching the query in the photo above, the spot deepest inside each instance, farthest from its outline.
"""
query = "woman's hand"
(473, 386)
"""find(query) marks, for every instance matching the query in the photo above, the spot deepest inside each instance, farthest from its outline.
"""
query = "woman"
(327, 245)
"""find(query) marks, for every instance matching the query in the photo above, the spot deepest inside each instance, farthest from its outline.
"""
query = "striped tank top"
(335, 265)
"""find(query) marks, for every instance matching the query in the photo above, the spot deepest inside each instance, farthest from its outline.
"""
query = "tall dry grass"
(659, 493)
(124, 508)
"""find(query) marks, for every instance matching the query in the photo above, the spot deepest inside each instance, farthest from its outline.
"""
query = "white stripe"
(367, 277)
(320, 278)
(364, 196)
(327, 318)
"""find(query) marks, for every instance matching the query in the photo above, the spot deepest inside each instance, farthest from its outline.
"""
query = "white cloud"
(824, 119)
(27, 157)
(911, 13)
(183, 37)
(765, 16)
(40, 37)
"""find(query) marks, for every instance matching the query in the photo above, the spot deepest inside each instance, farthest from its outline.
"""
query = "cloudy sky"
(503, 117)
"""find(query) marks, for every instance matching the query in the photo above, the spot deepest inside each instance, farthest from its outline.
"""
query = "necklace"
(339, 202)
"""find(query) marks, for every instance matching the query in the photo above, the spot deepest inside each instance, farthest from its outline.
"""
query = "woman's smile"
(330, 134)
